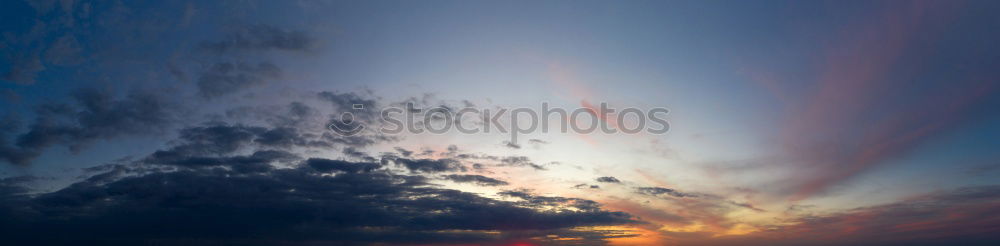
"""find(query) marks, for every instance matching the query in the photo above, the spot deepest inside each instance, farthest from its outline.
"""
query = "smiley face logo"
(347, 125)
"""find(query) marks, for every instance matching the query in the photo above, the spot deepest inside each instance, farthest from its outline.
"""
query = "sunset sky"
(790, 122)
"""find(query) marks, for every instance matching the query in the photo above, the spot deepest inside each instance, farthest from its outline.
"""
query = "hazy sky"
(790, 122)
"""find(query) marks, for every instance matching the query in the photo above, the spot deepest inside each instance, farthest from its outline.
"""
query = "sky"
(788, 122)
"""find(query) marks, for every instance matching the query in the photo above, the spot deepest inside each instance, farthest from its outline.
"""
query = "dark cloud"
(257, 38)
(747, 206)
(526, 198)
(353, 113)
(22, 48)
(296, 114)
(520, 161)
(327, 165)
(218, 139)
(12, 187)
(293, 124)
(48, 40)
(345, 102)
(64, 51)
(356, 140)
(24, 68)
(608, 179)
(243, 58)
(357, 154)
(95, 115)
(508, 161)
(9, 125)
(477, 179)
(259, 161)
(225, 138)
(212, 144)
(229, 77)
(291, 206)
(10, 96)
(655, 191)
(426, 152)
(430, 165)
(403, 151)
(232, 183)
(286, 137)
(537, 143)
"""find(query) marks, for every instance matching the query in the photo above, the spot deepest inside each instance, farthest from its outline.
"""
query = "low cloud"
(476, 179)
(608, 179)
(963, 216)
(258, 38)
(204, 190)
(655, 191)
(327, 165)
(430, 165)
(229, 77)
(94, 115)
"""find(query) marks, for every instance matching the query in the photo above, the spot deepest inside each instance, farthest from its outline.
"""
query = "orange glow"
(645, 237)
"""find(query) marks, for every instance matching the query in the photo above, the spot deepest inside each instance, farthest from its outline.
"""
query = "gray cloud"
(24, 68)
(327, 165)
(256, 38)
(608, 179)
(520, 161)
(511, 145)
(581, 186)
(243, 58)
(229, 77)
(430, 165)
(403, 151)
(213, 194)
(654, 191)
(477, 179)
(65, 51)
(345, 101)
(94, 115)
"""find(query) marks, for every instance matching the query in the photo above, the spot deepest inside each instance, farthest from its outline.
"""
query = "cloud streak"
(864, 109)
